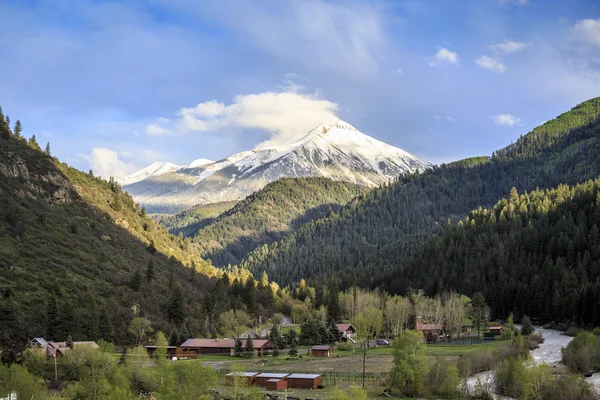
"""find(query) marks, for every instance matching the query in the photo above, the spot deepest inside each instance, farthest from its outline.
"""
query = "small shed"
(261, 379)
(304, 381)
(249, 376)
(276, 384)
(321, 351)
(496, 330)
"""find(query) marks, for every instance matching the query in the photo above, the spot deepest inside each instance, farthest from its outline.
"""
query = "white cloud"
(508, 46)
(284, 114)
(506, 119)
(163, 120)
(398, 72)
(106, 163)
(445, 55)
(588, 30)
(491, 64)
(444, 118)
(157, 130)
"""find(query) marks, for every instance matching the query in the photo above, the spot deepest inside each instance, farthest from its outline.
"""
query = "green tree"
(70, 343)
(249, 348)
(136, 280)
(47, 151)
(479, 312)
(188, 381)
(176, 306)
(160, 354)
(334, 310)
(238, 348)
(16, 379)
(140, 327)
(150, 271)
(52, 319)
(527, 327)
(410, 364)
(18, 129)
(275, 336)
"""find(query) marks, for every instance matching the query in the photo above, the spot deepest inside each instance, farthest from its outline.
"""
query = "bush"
(442, 379)
(571, 387)
(583, 353)
(345, 346)
(572, 331)
(509, 378)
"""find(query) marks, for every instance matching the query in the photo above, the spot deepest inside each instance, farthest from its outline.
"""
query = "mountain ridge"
(340, 152)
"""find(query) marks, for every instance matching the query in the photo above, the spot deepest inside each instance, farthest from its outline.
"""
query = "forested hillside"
(79, 258)
(369, 240)
(270, 214)
(536, 254)
(188, 222)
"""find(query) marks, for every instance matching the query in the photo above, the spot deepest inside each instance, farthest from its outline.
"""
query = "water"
(549, 352)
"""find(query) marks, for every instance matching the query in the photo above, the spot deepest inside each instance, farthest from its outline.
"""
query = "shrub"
(509, 378)
(442, 379)
(583, 353)
(345, 346)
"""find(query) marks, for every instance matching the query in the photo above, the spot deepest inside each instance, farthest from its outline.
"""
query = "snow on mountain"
(339, 152)
(154, 169)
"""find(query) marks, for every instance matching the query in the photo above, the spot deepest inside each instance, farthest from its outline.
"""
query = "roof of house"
(495, 327)
(303, 376)
(428, 327)
(273, 380)
(63, 345)
(272, 375)
(321, 347)
(345, 327)
(162, 347)
(221, 343)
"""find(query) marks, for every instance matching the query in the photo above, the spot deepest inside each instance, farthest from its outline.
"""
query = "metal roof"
(273, 380)
(247, 374)
(271, 375)
(303, 376)
(221, 343)
(321, 347)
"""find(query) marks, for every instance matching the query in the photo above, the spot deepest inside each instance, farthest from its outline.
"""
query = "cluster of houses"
(279, 381)
(57, 349)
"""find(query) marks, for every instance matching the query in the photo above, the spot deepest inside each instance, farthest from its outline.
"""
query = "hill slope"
(76, 254)
(188, 222)
(271, 213)
(368, 240)
(536, 254)
(339, 152)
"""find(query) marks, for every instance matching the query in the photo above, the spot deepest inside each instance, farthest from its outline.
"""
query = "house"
(172, 351)
(321, 351)
(57, 349)
(430, 331)
(347, 332)
(261, 379)
(195, 347)
(304, 381)
(276, 384)
(250, 377)
(496, 330)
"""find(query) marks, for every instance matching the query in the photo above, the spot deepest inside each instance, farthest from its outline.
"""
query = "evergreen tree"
(249, 295)
(143, 212)
(275, 336)
(52, 319)
(249, 349)
(293, 352)
(151, 247)
(176, 306)
(7, 119)
(136, 280)
(527, 327)
(18, 129)
(238, 347)
(334, 310)
(47, 151)
(105, 326)
(479, 312)
(150, 271)
(70, 343)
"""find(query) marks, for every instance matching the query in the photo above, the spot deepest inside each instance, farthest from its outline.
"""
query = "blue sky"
(118, 85)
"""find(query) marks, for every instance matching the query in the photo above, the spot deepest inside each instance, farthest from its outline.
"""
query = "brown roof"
(428, 327)
(322, 347)
(345, 327)
(221, 343)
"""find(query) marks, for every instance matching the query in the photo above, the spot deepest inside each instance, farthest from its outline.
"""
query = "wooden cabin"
(496, 330)
(261, 379)
(195, 347)
(347, 332)
(276, 384)
(249, 376)
(321, 351)
(304, 381)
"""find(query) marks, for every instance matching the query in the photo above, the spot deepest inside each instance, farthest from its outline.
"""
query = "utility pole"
(364, 361)
(55, 368)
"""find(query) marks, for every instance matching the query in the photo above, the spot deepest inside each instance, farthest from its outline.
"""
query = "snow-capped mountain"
(339, 152)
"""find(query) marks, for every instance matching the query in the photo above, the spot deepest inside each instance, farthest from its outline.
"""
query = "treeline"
(534, 253)
(188, 222)
(270, 214)
(371, 240)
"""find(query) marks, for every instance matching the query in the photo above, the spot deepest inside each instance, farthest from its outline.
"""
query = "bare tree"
(396, 314)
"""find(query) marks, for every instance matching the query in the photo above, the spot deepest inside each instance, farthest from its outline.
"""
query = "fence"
(330, 378)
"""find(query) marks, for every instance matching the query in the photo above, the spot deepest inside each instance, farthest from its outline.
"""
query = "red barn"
(304, 381)
(261, 379)
(276, 384)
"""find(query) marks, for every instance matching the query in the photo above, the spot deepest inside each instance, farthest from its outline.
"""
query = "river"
(549, 352)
